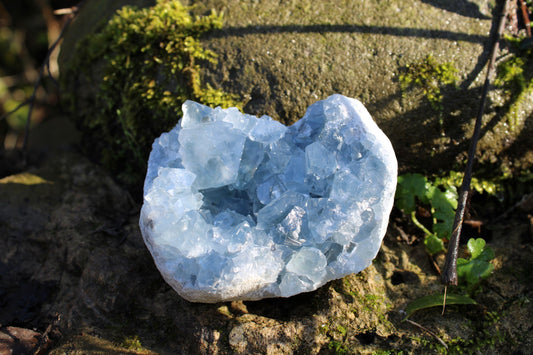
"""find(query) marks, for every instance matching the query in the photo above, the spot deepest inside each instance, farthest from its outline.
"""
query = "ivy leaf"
(434, 301)
(486, 255)
(443, 228)
(410, 187)
(452, 196)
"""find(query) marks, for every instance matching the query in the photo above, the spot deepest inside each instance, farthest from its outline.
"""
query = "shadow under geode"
(301, 305)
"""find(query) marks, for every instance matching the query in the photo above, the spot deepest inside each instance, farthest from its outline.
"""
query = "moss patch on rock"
(144, 63)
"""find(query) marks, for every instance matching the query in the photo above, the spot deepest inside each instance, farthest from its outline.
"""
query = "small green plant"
(455, 178)
(429, 76)
(441, 200)
(477, 267)
(470, 273)
(440, 197)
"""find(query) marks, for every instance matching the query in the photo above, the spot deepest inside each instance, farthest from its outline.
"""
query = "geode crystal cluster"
(238, 207)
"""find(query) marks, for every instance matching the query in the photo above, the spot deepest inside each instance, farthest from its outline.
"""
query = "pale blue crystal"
(215, 161)
(292, 284)
(267, 131)
(308, 262)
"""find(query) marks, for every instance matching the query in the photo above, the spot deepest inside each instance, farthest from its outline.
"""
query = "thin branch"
(525, 16)
(449, 275)
(31, 100)
(444, 299)
(44, 338)
(429, 332)
(19, 106)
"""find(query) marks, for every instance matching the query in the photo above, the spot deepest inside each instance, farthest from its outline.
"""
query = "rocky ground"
(74, 266)
(76, 278)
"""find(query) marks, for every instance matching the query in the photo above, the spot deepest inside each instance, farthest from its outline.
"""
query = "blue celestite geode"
(242, 208)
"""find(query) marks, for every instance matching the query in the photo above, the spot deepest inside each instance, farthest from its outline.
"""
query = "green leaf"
(475, 247)
(444, 203)
(434, 301)
(433, 244)
(410, 187)
(461, 261)
(452, 196)
(473, 271)
(443, 229)
(486, 255)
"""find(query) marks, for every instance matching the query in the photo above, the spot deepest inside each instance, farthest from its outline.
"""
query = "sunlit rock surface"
(242, 208)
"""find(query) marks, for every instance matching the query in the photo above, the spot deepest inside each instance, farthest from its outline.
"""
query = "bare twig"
(525, 16)
(449, 275)
(43, 339)
(429, 332)
(44, 66)
(19, 106)
(444, 299)
(53, 29)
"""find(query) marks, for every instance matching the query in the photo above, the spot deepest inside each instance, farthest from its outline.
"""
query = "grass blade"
(434, 301)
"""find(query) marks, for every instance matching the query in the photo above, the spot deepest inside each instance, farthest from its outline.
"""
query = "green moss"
(514, 75)
(338, 346)
(145, 63)
(454, 178)
(487, 338)
(430, 77)
(132, 343)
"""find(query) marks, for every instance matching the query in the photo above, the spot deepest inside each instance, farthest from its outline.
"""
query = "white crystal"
(242, 208)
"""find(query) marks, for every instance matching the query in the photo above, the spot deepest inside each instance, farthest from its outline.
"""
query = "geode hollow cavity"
(238, 207)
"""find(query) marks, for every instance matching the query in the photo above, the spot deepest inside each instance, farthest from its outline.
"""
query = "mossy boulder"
(127, 79)
(277, 58)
